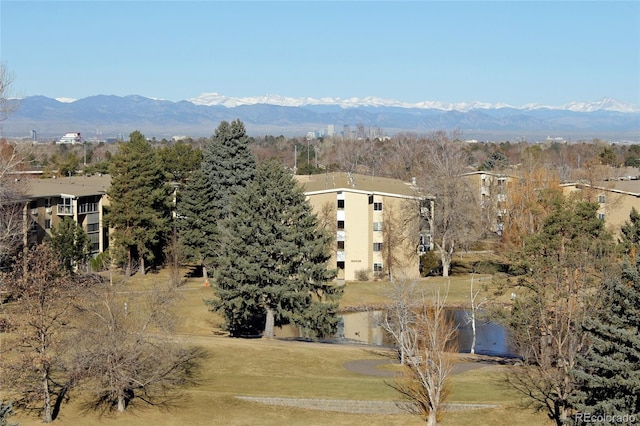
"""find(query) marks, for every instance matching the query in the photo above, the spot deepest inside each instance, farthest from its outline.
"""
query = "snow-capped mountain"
(211, 99)
(607, 119)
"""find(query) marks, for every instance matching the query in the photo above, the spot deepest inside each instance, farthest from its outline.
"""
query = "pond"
(359, 327)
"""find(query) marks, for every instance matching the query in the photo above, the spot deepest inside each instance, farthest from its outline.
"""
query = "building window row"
(377, 246)
(377, 207)
(377, 267)
(377, 226)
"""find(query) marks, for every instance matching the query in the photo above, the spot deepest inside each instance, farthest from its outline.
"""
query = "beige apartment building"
(81, 198)
(615, 198)
(376, 223)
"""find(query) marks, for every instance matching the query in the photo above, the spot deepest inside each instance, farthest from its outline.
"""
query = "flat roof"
(340, 181)
(79, 186)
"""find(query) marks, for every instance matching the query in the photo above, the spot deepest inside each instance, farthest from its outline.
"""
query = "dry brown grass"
(257, 367)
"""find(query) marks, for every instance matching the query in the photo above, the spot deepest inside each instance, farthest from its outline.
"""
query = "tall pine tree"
(140, 209)
(273, 267)
(227, 166)
(609, 371)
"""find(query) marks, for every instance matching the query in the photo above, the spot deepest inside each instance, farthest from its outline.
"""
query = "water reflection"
(360, 327)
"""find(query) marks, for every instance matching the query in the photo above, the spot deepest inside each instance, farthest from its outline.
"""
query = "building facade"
(80, 198)
(376, 222)
(615, 199)
(491, 192)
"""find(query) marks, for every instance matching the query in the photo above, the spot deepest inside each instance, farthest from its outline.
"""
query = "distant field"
(274, 368)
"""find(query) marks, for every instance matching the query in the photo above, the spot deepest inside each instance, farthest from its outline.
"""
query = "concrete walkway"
(355, 406)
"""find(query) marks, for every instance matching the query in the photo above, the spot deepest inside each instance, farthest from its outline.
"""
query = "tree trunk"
(446, 264)
(121, 402)
(432, 419)
(473, 319)
(127, 271)
(473, 330)
(142, 267)
(47, 397)
(268, 326)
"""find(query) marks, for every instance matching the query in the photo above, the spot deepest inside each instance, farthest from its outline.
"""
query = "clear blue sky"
(516, 52)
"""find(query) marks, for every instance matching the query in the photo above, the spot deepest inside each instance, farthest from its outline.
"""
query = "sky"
(513, 52)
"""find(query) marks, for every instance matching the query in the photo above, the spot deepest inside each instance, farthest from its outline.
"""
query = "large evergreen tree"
(140, 209)
(609, 371)
(273, 266)
(227, 166)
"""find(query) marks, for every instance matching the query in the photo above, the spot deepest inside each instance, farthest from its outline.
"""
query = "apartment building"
(376, 222)
(81, 198)
(491, 192)
(615, 199)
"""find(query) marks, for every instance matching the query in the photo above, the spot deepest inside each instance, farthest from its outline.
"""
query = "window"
(601, 199)
(34, 227)
(341, 204)
(93, 227)
(340, 265)
(377, 207)
(65, 206)
(377, 267)
(47, 224)
(377, 246)
(601, 216)
(341, 224)
(377, 226)
(340, 245)
(47, 202)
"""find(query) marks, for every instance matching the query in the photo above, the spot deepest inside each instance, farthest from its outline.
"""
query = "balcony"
(87, 208)
(65, 210)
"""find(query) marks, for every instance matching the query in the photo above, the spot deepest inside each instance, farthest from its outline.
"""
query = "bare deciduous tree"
(399, 316)
(42, 294)
(455, 221)
(429, 341)
(7, 105)
(124, 350)
(12, 201)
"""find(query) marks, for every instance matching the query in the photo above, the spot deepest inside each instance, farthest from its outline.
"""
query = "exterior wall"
(491, 192)
(614, 205)
(616, 209)
(358, 234)
(355, 234)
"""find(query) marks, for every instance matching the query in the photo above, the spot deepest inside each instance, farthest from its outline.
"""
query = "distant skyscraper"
(331, 130)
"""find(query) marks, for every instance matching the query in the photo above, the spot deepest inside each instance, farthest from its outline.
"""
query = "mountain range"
(106, 115)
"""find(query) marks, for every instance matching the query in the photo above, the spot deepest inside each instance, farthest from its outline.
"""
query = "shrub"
(362, 275)
(430, 264)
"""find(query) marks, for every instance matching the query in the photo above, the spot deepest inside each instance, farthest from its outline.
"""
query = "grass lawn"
(360, 294)
(275, 368)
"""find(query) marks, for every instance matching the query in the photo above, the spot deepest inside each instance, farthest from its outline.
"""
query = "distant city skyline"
(517, 53)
